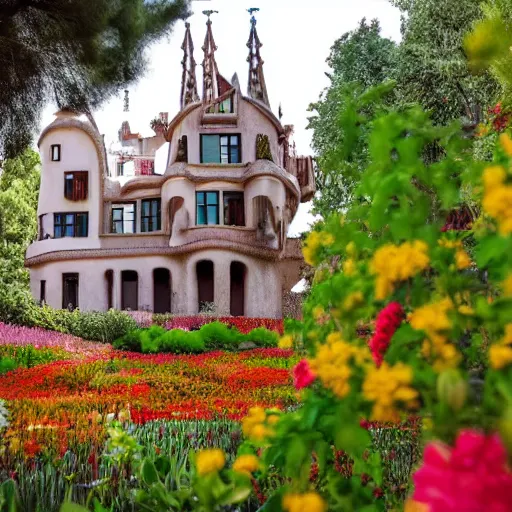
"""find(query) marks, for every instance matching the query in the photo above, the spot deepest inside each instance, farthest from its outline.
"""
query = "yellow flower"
(466, 310)
(349, 267)
(210, 461)
(386, 386)
(500, 354)
(327, 239)
(253, 425)
(506, 143)
(246, 464)
(286, 342)
(308, 502)
(395, 263)
(462, 259)
(434, 320)
(415, 506)
(318, 312)
(497, 200)
(351, 248)
(507, 286)
(353, 300)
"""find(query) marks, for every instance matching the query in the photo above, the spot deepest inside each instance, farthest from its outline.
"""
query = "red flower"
(302, 375)
(388, 321)
(471, 476)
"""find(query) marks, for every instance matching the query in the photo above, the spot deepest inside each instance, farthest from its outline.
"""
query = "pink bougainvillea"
(302, 375)
(473, 476)
(388, 321)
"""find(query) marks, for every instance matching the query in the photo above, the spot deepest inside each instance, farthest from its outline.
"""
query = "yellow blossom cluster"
(395, 263)
(433, 319)
(307, 502)
(387, 386)
(353, 300)
(497, 200)
(246, 464)
(507, 286)
(257, 425)
(500, 354)
(314, 241)
(285, 342)
(210, 461)
(462, 259)
(332, 363)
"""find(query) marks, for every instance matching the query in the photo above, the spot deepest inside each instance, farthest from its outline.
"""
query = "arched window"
(161, 290)
(238, 272)
(109, 281)
(129, 290)
(205, 286)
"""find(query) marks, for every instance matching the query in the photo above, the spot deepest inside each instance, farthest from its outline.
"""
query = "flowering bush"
(432, 298)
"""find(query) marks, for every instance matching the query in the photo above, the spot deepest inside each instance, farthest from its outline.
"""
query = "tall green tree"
(358, 60)
(19, 187)
(432, 65)
(77, 52)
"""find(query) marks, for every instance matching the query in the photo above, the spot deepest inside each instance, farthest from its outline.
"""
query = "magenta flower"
(302, 375)
(473, 476)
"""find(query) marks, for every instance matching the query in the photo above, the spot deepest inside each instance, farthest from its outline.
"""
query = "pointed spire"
(256, 87)
(210, 70)
(188, 79)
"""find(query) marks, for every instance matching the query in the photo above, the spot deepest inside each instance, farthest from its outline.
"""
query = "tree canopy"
(359, 59)
(76, 52)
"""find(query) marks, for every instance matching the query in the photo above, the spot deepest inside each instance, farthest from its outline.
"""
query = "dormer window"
(220, 149)
(55, 152)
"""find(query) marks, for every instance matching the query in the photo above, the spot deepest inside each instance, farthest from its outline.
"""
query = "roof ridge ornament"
(188, 80)
(256, 87)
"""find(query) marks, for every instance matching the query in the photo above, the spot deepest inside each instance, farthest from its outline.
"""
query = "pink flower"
(388, 321)
(472, 476)
(302, 375)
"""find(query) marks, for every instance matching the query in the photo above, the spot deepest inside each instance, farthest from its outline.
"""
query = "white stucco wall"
(250, 123)
(262, 287)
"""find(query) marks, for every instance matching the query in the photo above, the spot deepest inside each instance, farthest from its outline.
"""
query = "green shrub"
(7, 364)
(28, 356)
(218, 336)
(130, 341)
(151, 339)
(177, 341)
(262, 337)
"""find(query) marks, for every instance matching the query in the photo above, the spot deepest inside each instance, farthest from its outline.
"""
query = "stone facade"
(212, 228)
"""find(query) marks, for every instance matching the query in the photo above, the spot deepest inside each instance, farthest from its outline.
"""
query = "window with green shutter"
(207, 208)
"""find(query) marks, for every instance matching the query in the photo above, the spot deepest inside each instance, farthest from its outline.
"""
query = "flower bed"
(188, 323)
(22, 336)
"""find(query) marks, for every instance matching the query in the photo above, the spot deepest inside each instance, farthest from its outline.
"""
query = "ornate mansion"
(196, 214)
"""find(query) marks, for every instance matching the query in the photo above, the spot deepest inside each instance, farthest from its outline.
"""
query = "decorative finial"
(251, 11)
(126, 101)
(209, 13)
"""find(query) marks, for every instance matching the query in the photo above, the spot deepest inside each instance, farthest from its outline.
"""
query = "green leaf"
(72, 507)
(149, 472)
(353, 439)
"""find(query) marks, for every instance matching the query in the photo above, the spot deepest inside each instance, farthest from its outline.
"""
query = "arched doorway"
(238, 273)
(161, 290)
(205, 286)
(129, 290)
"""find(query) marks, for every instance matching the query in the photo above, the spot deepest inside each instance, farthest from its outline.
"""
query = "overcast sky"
(296, 35)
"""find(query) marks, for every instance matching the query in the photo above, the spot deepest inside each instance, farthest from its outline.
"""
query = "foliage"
(359, 60)
(100, 45)
(210, 336)
(19, 186)
(432, 69)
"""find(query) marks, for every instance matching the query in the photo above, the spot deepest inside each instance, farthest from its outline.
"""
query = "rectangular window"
(234, 214)
(74, 225)
(221, 149)
(207, 208)
(120, 168)
(42, 293)
(150, 215)
(69, 291)
(124, 218)
(55, 152)
(76, 185)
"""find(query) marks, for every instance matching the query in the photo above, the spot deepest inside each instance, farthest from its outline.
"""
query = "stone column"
(222, 284)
